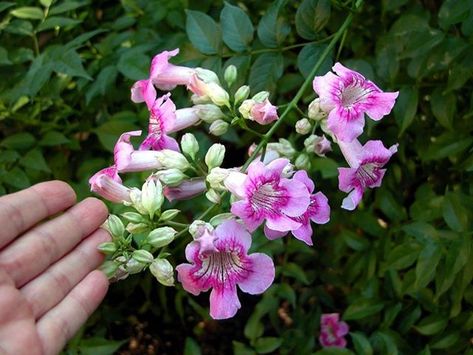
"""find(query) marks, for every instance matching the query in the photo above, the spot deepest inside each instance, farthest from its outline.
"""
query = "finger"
(43, 245)
(60, 324)
(22, 210)
(48, 289)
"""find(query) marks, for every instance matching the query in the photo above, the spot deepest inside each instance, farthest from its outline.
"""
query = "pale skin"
(49, 284)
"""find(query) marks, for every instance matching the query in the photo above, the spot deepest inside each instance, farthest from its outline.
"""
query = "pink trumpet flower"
(108, 184)
(264, 112)
(365, 169)
(333, 331)
(186, 190)
(346, 97)
(223, 268)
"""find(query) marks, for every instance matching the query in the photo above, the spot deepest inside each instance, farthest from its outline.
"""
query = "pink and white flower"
(185, 190)
(264, 112)
(223, 268)
(365, 169)
(108, 184)
(347, 96)
(333, 331)
(266, 196)
(317, 212)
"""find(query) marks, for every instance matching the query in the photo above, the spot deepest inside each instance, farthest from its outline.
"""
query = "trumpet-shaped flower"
(365, 169)
(317, 212)
(266, 196)
(333, 331)
(185, 190)
(347, 96)
(261, 111)
(224, 267)
(108, 184)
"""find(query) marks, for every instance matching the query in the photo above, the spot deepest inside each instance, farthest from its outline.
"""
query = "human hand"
(48, 286)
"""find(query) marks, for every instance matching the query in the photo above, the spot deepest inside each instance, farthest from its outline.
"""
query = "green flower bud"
(172, 160)
(303, 126)
(163, 271)
(161, 237)
(137, 228)
(216, 177)
(245, 108)
(209, 112)
(169, 214)
(143, 256)
(213, 196)
(260, 96)
(220, 218)
(302, 162)
(198, 227)
(315, 112)
(215, 155)
(189, 145)
(133, 217)
(242, 94)
(230, 74)
(218, 95)
(206, 75)
(218, 127)
(107, 248)
(171, 177)
(152, 196)
(109, 268)
(115, 226)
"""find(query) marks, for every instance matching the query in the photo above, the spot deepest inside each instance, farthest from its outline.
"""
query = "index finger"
(22, 210)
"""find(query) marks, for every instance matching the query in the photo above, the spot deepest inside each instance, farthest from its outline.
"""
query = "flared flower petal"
(332, 331)
(108, 184)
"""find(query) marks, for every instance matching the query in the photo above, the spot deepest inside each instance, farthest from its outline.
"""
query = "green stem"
(176, 224)
(304, 86)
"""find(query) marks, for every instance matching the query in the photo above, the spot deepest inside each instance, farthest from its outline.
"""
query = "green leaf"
(203, 32)
(46, 3)
(454, 213)
(327, 167)
(308, 57)
(241, 349)
(254, 328)
(402, 256)
(445, 341)
(362, 308)
(4, 57)
(361, 343)
(84, 37)
(66, 6)
(445, 146)
(16, 178)
(443, 107)
(28, 12)
(273, 30)
(34, 159)
(19, 141)
(267, 345)
(100, 346)
(406, 107)
(5, 5)
(295, 271)
(20, 27)
(102, 83)
(191, 347)
(109, 132)
(237, 28)
(427, 263)
(70, 64)
(311, 17)
(452, 12)
(134, 65)
(431, 325)
(333, 351)
(265, 71)
(53, 138)
(55, 21)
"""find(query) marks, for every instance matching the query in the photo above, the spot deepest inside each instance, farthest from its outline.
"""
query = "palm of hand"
(48, 286)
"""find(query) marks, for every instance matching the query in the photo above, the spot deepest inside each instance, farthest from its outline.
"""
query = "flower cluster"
(272, 190)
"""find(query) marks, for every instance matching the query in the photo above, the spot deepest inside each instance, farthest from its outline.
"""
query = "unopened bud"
(285, 148)
(218, 95)
(206, 75)
(260, 96)
(230, 74)
(115, 226)
(137, 228)
(171, 177)
(216, 177)
(209, 112)
(315, 112)
(302, 162)
(288, 171)
(220, 218)
(317, 145)
(163, 271)
(242, 94)
(218, 128)
(213, 196)
(152, 196)
(189, 145)
(109, 268)
(214, 156)
(143, 256)
(198, 227)
(161, 237)
(133, 217)
(171, 159)
(107, 248)
(245, 108)
(169, 214)
(303, 126)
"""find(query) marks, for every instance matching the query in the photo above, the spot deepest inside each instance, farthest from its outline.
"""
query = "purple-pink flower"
(346, 97)
(266, 196)
(108, 184)
(317, 212)
(365, 169)
(264, 112)
(185, 190)
(333, 331)
(224, 268)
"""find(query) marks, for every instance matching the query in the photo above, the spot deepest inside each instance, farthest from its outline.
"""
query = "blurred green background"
(399, 269)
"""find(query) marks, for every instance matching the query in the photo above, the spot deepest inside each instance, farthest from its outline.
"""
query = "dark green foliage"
(399, 269)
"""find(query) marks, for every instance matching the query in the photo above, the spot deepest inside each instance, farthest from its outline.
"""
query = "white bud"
(303, 126)
(200, 100)
(216, 177)
(152, 196)
(284, 147)
(242, 94)
(142, 256)
(230, 74)
(107, 247)
(218, 127)
(215, 155)
(317, 145)
(133, 217)
(133, 266)
(209, 112)
(315, 112)
(171, 177)
(198, 227)
(213, 196)
(220, 218)
(302, 162)
(288, 171)
(169, 214)
(137, 228)
(218, 95)
(163, 271)
(260, 96)
(171, 159)
(115, 226)
(189, 145)
(245, 108)
(161, 237)
(207, 76)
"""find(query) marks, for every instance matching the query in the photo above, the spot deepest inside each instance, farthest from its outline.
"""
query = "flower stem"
(304, 86)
